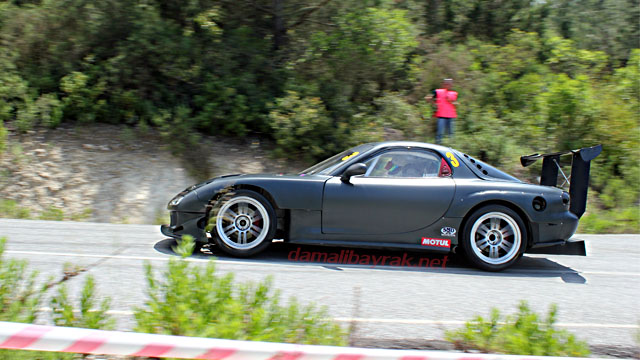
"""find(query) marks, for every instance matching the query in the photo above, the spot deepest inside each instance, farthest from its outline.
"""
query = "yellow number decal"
(350, 156)
(453, 159)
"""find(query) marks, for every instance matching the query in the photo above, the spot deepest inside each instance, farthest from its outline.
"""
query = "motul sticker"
(445, 243)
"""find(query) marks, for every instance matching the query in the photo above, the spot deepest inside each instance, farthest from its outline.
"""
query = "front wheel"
(245, 223)
(494, 237)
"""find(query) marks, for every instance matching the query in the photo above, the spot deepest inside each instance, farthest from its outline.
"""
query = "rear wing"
(579, 178)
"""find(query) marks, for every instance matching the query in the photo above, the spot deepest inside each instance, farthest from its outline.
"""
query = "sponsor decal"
(445, 243)
(350, 156)
(454, 161)
(448, 231)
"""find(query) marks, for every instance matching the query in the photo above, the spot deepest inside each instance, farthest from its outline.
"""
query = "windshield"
(327, 166)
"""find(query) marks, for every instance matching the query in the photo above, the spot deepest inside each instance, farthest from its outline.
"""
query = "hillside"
(109, 173)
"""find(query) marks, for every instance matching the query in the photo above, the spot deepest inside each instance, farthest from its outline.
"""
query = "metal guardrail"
(102, 342)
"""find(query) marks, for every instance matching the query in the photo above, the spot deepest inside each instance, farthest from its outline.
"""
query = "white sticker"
(448, 231)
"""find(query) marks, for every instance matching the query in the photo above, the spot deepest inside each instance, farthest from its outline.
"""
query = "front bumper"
(167, 230)
(186, 223)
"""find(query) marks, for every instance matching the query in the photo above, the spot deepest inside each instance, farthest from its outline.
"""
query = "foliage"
(618, 221)
(89, 317)
(301, 125)
(19, 294)
(10, 209)
(20, 300)
(3, 137)
(195, 301)
(524, 333)
(52, 213)
(319, 76)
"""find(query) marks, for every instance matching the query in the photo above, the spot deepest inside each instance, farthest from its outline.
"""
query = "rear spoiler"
(579, 178)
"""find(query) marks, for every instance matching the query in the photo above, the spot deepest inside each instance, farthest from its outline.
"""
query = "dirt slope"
(114, 174)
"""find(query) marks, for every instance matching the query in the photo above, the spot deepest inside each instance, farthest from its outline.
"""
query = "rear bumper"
(554, 231)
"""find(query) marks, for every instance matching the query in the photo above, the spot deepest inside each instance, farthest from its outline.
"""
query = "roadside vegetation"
(523, 333)
(319, 76)
(186, 300)
(194, 300)
(12, 210)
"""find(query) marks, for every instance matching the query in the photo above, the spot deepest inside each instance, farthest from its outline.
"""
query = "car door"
(403, 190)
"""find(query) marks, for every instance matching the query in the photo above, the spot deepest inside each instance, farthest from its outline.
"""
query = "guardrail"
(86, 341)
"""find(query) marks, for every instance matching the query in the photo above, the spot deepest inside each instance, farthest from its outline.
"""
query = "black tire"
(252, 228)
(494, 238)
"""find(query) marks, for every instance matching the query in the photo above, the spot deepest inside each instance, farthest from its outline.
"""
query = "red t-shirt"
(444, 100)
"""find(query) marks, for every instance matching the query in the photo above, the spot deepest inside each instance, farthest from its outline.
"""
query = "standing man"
(445, 101)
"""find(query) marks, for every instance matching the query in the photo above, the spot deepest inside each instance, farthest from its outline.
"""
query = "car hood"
(206, 189)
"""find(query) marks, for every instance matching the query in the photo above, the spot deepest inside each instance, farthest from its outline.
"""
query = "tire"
(244, 223)
(494, 237)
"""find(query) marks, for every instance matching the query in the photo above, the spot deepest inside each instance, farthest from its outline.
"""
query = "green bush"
(10, 209)
(301, 126)
(615, 221)
(19, 294)
(52, 213)
(195, 301)
(20, 298)
(3, 137)
(89, 316)
(524, 333)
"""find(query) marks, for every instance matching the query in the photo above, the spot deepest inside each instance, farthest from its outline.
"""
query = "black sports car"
(404, 195)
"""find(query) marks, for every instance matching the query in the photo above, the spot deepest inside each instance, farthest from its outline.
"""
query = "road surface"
(597, 294)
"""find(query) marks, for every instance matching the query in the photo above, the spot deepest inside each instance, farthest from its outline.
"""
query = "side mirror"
(353, 170)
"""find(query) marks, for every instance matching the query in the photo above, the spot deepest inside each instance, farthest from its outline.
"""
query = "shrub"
(10, 209)
(195, 301)
(523, 333)
(301, 124)
(19, 295)
(89, 316)
(3, 137)
(19, 302)
(52, 213)
(616, 221)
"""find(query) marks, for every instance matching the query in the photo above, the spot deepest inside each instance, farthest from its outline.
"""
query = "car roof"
(473, 166)
(387, 144)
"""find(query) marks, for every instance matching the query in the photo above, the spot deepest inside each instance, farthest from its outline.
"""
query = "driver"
(392, 168)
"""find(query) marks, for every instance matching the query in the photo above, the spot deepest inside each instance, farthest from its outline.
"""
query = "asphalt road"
(597, 294)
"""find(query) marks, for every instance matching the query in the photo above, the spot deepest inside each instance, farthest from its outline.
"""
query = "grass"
(614, 221)
(524, 333)
(10, 209)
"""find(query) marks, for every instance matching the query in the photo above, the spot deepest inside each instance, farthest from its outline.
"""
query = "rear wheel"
(245, 223)
(494, 237)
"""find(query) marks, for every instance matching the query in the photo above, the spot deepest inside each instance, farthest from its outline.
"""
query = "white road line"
(286, 263)
(151, 258)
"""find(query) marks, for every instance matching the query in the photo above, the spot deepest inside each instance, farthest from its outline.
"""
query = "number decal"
(454, 161)
(350, 156)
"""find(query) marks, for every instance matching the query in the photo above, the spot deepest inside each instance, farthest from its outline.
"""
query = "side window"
(404, 164)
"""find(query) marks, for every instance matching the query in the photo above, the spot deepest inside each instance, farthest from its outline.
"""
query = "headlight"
(176, 200)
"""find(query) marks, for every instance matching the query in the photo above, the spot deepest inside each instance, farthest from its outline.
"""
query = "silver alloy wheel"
(242, 223)
(495, 238)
